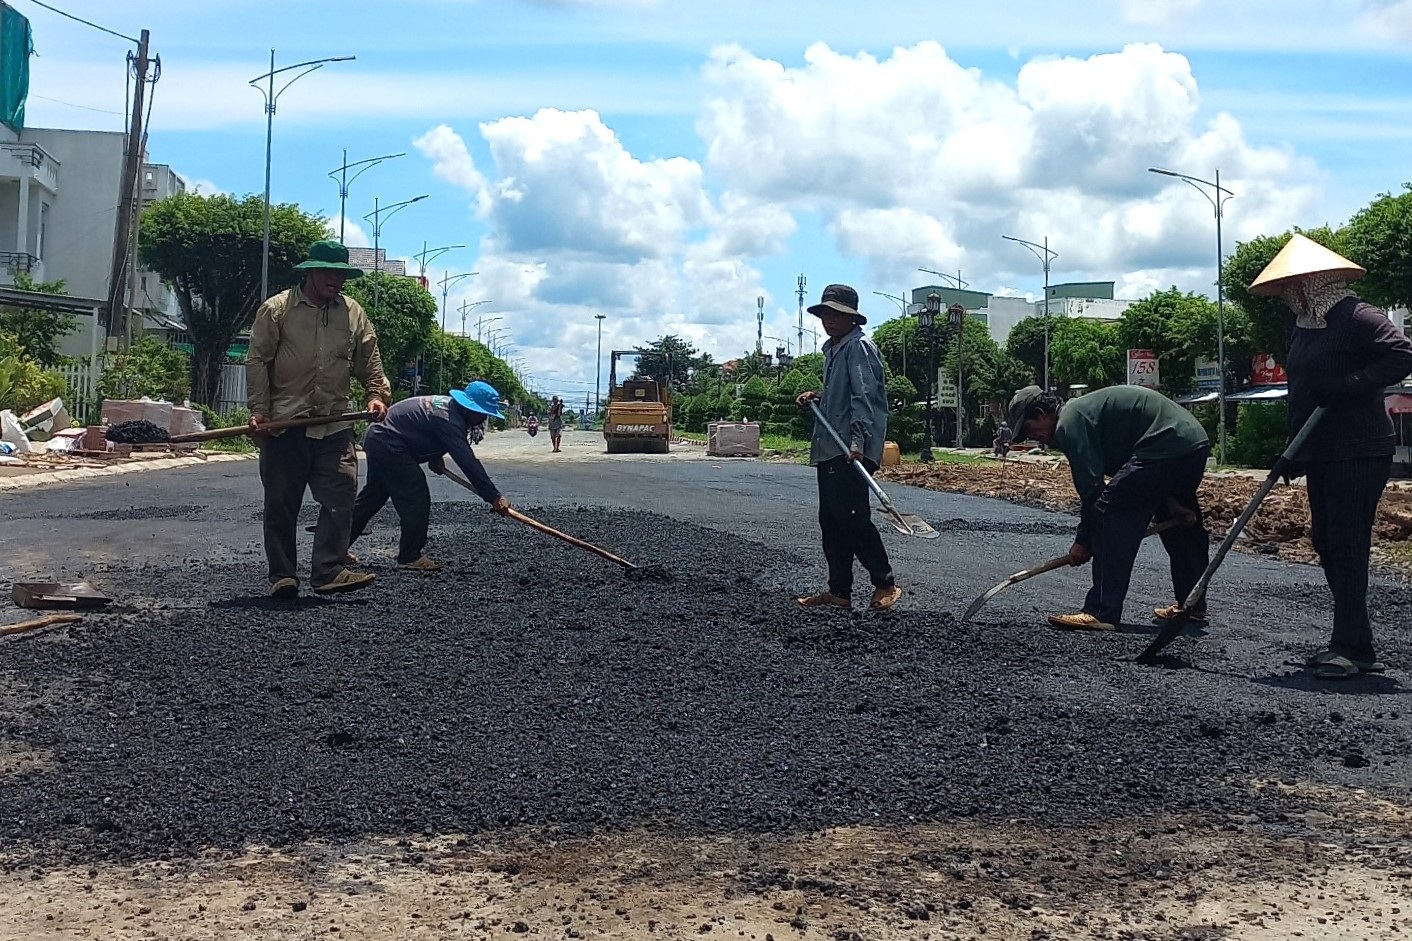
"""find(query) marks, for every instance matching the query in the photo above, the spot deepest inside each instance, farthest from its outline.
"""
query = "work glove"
(437, 465)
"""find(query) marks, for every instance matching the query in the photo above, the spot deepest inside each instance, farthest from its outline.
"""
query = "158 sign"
(1142, 369)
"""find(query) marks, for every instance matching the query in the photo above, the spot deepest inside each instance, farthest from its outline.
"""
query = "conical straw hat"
(1301, 257)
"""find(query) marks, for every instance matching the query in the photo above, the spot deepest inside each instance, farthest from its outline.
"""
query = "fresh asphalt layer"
(531, 684)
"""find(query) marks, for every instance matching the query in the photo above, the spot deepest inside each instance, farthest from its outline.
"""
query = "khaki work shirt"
(302, 359)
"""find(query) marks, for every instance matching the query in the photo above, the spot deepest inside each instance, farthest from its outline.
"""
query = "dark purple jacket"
(1350, 361)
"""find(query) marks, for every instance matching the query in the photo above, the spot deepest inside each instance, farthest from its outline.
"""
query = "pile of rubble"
(1280, 527)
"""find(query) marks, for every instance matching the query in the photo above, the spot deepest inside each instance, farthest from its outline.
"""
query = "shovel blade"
(909, 524)
(1171, 630)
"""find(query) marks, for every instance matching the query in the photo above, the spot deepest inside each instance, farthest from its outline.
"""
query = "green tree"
(670, 358)
(811, 363)
(903, 348)
(1026, 343)
(149, 368)
(402, 312)
(38, 332)
(1086, 352)
(23, 383)
(754, 396)
(1270, 321)
(1379, 237)
(209, 248)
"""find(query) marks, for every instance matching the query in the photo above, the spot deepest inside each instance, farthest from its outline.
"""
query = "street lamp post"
(598, 374)
(447, 280)
(901, 306)
(482, 321)
(466, 308)
(1218, 202)
(340, 176)
(955, 279)
(1045, 254)
(927, 318)
(376, 217)
(956, 313)
(431, 254)
(271, 101)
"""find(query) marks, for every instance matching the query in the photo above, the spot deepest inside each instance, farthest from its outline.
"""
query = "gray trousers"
(1343, 505)
(328, 467)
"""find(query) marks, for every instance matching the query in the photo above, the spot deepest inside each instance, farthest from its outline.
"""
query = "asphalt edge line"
(29, 481)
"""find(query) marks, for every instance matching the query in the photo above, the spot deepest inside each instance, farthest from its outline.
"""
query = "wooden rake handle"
(238, 430)
(546, 529)
(38, 623)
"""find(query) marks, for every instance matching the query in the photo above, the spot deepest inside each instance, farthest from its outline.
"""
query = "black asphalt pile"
(140, 431)
(530, 684)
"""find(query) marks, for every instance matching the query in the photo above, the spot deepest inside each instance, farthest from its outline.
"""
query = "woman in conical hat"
(1342, 355)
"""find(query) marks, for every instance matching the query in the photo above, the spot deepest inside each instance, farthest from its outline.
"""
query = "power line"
(79, 19)
(70, 104)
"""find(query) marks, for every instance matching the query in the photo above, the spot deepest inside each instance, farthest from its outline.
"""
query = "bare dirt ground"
(1280, 528)
(1341, 875)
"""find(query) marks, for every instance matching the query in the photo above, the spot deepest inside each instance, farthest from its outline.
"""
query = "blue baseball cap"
(479, 397)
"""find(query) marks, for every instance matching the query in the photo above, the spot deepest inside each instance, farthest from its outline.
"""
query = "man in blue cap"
(417, 431)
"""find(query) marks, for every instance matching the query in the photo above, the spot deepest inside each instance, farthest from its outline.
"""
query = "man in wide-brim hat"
(1342, 355)
(854, 401)
(306, 346)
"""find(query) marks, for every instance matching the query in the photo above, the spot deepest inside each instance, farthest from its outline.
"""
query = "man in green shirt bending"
(1153, 454)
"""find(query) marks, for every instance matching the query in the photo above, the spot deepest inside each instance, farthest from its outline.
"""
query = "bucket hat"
(1300, 258)
(838, 298)
(1020, 405)
(327, 253)
(479, 397)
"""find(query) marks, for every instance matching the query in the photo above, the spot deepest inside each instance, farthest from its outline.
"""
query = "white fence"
(81, 399)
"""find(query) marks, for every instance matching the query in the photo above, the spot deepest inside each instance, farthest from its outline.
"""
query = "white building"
(58, 213)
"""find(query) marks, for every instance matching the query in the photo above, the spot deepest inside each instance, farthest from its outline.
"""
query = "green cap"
(328, 253)
(1020, 406)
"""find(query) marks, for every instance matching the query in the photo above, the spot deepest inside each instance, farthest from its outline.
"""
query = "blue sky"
(665, 162)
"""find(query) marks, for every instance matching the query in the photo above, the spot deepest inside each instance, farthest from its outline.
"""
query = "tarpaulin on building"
(16, 46)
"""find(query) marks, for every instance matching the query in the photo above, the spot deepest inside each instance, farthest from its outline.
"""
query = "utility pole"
(800, 290)
(598, 374)
(125, 227)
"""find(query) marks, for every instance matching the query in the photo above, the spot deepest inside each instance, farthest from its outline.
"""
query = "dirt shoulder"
(1280, 528)
(1335, 874)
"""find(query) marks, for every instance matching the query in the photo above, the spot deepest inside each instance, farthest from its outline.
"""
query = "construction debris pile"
(139, 431)
(1280, 527)
(45, 438)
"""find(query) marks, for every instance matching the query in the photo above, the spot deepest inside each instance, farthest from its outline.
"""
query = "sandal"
(1335, 668)
(1314, 660)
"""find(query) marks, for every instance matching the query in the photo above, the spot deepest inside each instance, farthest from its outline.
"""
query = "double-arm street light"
(1218, 202)
(482, 321)
(431, 254)
(466, 308)
(341, 177)
(271, 101)
(926, 317)
(901, 306)
(1046, 255)
(955, 279)
(377, 218)
(447, 280)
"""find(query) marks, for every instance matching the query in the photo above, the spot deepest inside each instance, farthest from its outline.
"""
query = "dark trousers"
(400, 478)
(1343, 505)
(1136, 496)
(328, 467)
(849, 533)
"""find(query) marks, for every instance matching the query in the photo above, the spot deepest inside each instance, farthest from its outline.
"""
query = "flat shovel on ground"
(906, 523)
(1172, 629)
(549, 530)
(1058, 562)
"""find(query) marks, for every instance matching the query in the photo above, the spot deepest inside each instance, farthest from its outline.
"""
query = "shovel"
(549, 530)
(1057, 562)
(1173, 628)
(906, 523)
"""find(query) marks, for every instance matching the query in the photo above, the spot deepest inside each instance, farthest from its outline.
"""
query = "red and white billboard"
(1266, 371)
(1142, 369)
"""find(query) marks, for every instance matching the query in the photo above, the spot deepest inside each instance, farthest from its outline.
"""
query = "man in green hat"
(306, 346)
